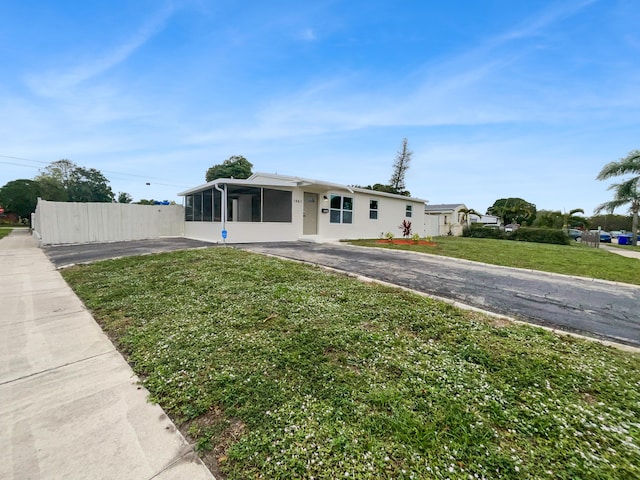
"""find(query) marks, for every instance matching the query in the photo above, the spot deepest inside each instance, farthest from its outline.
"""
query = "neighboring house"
(443, 219)
(488, 220)
(271, 208)
(9, 217)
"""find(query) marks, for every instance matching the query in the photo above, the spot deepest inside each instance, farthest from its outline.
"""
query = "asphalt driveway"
(596, 308)
(62, 255)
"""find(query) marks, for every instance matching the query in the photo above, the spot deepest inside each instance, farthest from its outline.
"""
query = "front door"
(310, 214)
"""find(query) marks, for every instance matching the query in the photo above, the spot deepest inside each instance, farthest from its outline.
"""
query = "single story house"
(487, 220)
(444, 219)
(270, 208)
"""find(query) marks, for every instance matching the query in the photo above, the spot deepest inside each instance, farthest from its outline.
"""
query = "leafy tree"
(124, 197)
(89, 185)
(557, 219)
(548, 219)
(611, 222)
(52, 189)
(568, 218)
(236, 166)
(20, 196)
(400, 167)
(465, 215)
(626, 193)
(63, 180)
(513, 210)
(144, 201)
(379, 187)
(58, 172)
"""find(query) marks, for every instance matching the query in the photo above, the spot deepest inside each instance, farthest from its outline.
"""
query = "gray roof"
(443, 207)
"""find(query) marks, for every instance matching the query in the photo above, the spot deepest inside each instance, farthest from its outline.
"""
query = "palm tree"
(567, 215)
(626, 193)
(464, 215)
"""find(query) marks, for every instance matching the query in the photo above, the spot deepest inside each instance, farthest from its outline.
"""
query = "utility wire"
(18, 164)
(106, 171)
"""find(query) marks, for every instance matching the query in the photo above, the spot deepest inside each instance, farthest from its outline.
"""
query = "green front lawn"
(4, 231)
(280, 370)
(574, 259)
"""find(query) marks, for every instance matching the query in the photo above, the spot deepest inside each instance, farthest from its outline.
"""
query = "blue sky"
(498, 98)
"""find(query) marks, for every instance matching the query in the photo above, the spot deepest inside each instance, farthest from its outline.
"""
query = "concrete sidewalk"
(621, 251)
(70, 406)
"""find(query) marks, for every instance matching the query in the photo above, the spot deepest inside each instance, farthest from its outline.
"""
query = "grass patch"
(279, 370)
(4, 231)
(574, 259)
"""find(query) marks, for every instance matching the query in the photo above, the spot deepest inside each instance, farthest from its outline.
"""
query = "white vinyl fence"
(68, 222)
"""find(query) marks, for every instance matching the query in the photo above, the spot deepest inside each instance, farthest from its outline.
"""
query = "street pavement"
(70, 405)
(600, 309)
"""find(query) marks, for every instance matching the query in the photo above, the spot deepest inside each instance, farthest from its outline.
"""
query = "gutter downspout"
(223, 208)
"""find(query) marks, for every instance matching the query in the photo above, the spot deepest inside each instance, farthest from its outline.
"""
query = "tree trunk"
(634, 227)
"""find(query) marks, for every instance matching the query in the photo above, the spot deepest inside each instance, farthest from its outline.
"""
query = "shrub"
(540, 235)
(405, 226)
(479, 231)
(537, 235)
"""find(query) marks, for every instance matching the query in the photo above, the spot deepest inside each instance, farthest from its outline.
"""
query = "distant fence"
(68, 222)
(591, 239)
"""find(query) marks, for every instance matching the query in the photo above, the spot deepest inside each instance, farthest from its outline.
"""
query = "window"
(188, 208)
(373, 209)
(217, 205)
(207, 206)
(276, 206)
(245, 204)
(408, 211)
(341, 209)
(203, 206)
(197, 207)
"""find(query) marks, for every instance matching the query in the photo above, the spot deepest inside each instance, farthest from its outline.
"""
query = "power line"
(106, 171)
(18, 164)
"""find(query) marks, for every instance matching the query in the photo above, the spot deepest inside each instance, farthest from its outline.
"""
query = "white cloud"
(59, 84)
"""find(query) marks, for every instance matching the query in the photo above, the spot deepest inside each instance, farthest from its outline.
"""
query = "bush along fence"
(537, 235)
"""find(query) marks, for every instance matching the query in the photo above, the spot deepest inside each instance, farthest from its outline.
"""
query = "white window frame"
(340, 211)
(373, 209)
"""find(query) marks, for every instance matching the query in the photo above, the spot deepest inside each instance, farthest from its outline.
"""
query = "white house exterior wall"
(241, 232)
(391, 213)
